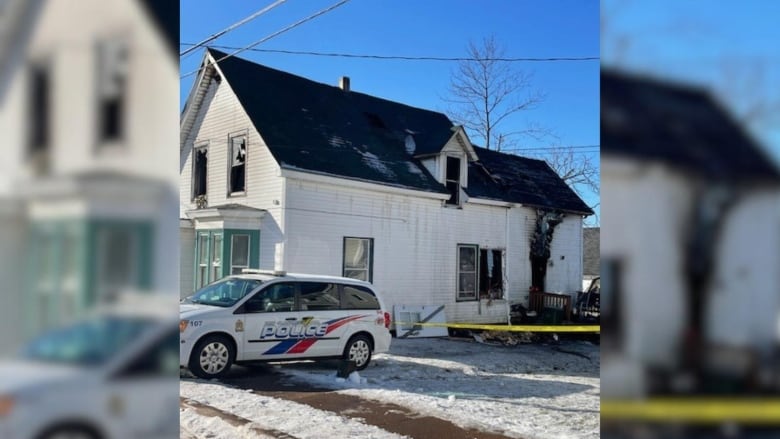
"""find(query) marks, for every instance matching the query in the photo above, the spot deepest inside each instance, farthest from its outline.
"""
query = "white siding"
(415, 241)
(222, 117)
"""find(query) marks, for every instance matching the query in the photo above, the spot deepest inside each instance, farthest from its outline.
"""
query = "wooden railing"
(539, 300)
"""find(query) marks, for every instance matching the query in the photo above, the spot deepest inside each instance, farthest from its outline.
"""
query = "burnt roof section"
(591, 251)
(320, 128)
(682, 126)
(516, 179)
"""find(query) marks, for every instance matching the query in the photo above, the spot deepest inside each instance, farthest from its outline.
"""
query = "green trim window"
(358, 258)
(468, 266)
(239, 253)
(222, 252)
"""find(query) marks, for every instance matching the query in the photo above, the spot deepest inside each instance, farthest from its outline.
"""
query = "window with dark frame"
(112, 73)
(237, 164)
(491, 277)
(39, 114)
(452, 180)
(358, 258)
(467, 272)
(200, 171)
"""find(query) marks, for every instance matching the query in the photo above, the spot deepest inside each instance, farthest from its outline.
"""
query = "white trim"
(359, 184)
(487, 202)
(223, 213)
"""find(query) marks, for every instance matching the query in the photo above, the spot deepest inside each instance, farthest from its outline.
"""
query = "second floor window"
(452, 180)
(237, 164)
(358, 258)
(113, 68)
(39, 108)
(199, 171)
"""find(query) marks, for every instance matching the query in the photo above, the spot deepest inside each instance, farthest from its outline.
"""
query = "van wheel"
(212, 357)
(358, 349)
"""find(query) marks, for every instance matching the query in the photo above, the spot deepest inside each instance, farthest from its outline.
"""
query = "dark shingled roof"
(165, 16)
(649, 119)
(521, 180)
(319, 128)
(591, 251)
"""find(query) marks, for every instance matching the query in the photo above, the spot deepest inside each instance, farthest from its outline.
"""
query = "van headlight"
(183, 325)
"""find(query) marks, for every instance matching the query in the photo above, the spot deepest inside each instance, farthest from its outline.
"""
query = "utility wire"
(231, 27)
(408, 58)
(554, 148)
(277, 33)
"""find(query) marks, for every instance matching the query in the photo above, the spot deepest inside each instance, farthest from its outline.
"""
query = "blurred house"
(591, 256)
(88, 111)
(280, 172)
(691, 206)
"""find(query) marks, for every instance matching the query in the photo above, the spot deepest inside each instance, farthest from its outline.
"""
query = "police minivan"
(276, 316)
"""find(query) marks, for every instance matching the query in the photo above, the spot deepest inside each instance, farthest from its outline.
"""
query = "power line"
(232, 26)
(409, 58)
(555, 148)
(277, 33)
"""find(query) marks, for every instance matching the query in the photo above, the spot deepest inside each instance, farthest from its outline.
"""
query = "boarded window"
(237, 164)
(453, 180)
(319, 296)
(357, 297)
(467, 272)
(200, 171)
(113, 68)
(358, 258)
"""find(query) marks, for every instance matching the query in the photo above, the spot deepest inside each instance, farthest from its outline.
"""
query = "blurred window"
(237, 164)
(159, 360)
(39, 114)
(113, 66)
(89, 343)
(467, 272)
(358, 258)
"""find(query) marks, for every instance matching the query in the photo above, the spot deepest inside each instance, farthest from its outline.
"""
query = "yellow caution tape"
(510, 328)
(694, 410)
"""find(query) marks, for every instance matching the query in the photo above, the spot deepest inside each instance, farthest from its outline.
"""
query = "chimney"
(344, 83)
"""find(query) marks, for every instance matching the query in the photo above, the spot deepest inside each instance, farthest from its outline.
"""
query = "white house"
(690, 204)
(88, 103)
(280, 172)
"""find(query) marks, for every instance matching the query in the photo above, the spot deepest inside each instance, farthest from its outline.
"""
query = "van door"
(320, 305)
(271, 322)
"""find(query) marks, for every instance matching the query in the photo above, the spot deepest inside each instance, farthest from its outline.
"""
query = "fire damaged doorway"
(538, 272)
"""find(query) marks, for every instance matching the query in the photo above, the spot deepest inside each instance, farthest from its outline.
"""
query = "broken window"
(453, 180)
(237, 164)
(113, 68)
(39, 115)
(359, 258)
(467, 272)
(199, 171)
(491, 277)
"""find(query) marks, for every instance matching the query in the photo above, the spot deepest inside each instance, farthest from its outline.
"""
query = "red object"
(387, 320)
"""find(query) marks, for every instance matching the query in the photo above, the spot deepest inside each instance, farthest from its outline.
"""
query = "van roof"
(266, 276)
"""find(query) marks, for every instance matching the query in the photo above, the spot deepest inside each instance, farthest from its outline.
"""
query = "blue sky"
(729, 47)
(566, 28)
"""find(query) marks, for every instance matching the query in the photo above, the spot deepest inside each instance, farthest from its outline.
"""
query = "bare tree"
(485, 91)
(579, 170)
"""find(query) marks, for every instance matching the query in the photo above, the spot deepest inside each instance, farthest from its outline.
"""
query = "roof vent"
(344, 83)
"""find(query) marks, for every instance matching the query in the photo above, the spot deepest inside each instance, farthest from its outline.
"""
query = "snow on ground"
(528, 391)
(299, 420)
(193, 425)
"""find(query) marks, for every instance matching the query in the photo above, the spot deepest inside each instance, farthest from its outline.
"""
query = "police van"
(275, 316)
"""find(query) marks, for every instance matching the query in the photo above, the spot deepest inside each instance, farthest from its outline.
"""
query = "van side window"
(276, 298)
(357, 297)
(319, 296)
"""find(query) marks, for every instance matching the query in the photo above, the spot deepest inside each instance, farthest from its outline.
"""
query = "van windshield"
(224, 293)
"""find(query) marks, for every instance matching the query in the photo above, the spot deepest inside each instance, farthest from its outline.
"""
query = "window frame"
(458, 272)
(369, 268)
(202, 145)
(101, 139)
(244, 134)
(248, 251)
(458, 182)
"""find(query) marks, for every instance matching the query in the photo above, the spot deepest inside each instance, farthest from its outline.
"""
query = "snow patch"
(375, 163)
